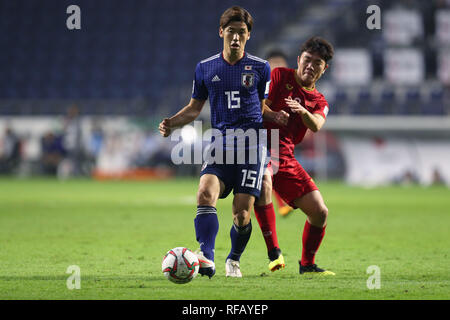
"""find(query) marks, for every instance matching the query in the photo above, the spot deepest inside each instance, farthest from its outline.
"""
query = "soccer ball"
(180, 265)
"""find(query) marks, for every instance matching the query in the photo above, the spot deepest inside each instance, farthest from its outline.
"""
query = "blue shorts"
(240, 177)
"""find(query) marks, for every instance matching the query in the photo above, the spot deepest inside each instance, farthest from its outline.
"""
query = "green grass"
(118, 232)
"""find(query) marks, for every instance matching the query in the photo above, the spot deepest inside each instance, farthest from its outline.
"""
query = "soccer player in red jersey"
(294, 105)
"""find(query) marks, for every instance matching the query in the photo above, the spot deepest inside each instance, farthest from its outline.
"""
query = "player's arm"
(312, 121)
(280, 117)
(271, 90)
(186, 115)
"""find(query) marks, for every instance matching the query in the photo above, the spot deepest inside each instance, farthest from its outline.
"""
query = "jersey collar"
(243, 56)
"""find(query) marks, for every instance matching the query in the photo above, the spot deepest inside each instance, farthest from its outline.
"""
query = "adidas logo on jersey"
(216, 78)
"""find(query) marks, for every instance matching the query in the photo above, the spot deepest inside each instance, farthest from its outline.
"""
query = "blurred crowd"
(60, 151)
(76, 145)
(10, 151)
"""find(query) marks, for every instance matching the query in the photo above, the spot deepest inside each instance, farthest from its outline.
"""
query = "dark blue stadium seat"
(386, 104)
(435, 104)
(363, 103)
(412, 103)
(339, 104)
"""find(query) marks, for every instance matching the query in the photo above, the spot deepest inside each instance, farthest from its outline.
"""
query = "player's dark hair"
(236, 14)
(276, 53)
(320, 46)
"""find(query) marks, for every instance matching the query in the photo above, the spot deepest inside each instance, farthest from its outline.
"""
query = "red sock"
(280, 201)
(267, 222)
(312, 237)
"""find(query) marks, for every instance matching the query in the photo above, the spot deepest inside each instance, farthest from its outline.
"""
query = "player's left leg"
(240, 232)
(314, 207)
(247, 187)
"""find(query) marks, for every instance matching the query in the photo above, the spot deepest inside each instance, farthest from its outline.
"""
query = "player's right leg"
(206, 221)
(265, 215)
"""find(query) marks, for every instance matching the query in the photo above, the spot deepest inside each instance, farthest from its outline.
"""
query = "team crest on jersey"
(289, 86)
(248, 79)
(311, 104)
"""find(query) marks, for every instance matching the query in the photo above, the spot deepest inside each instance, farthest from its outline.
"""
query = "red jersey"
(283, 85)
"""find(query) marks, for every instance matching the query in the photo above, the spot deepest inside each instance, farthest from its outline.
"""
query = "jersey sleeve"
(274, 82)
(322, 108)
(199, 90)
(263, 86)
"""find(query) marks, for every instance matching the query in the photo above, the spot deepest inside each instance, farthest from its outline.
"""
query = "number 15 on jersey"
(234, 102)
(248, 178)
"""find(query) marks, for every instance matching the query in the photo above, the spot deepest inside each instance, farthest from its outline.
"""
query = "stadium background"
(86, 104)
(132, 63)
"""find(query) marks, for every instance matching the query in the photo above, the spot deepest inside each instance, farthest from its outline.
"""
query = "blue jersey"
(234, 91)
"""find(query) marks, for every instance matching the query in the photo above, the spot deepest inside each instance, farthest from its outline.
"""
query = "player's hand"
(295, 106)
(164, 128)
(281, 118)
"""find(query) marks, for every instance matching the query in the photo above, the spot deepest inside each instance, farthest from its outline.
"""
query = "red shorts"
(291, 181)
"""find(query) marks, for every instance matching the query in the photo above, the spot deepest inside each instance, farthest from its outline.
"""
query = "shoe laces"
(235, 266)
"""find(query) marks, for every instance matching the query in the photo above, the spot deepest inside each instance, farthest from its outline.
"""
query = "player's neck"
(232, 57)
(307, 86)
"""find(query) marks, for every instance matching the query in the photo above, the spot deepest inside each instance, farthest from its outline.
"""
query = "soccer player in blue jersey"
(236, 84)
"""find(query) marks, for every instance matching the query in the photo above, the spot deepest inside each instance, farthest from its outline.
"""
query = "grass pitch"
(118, 232)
